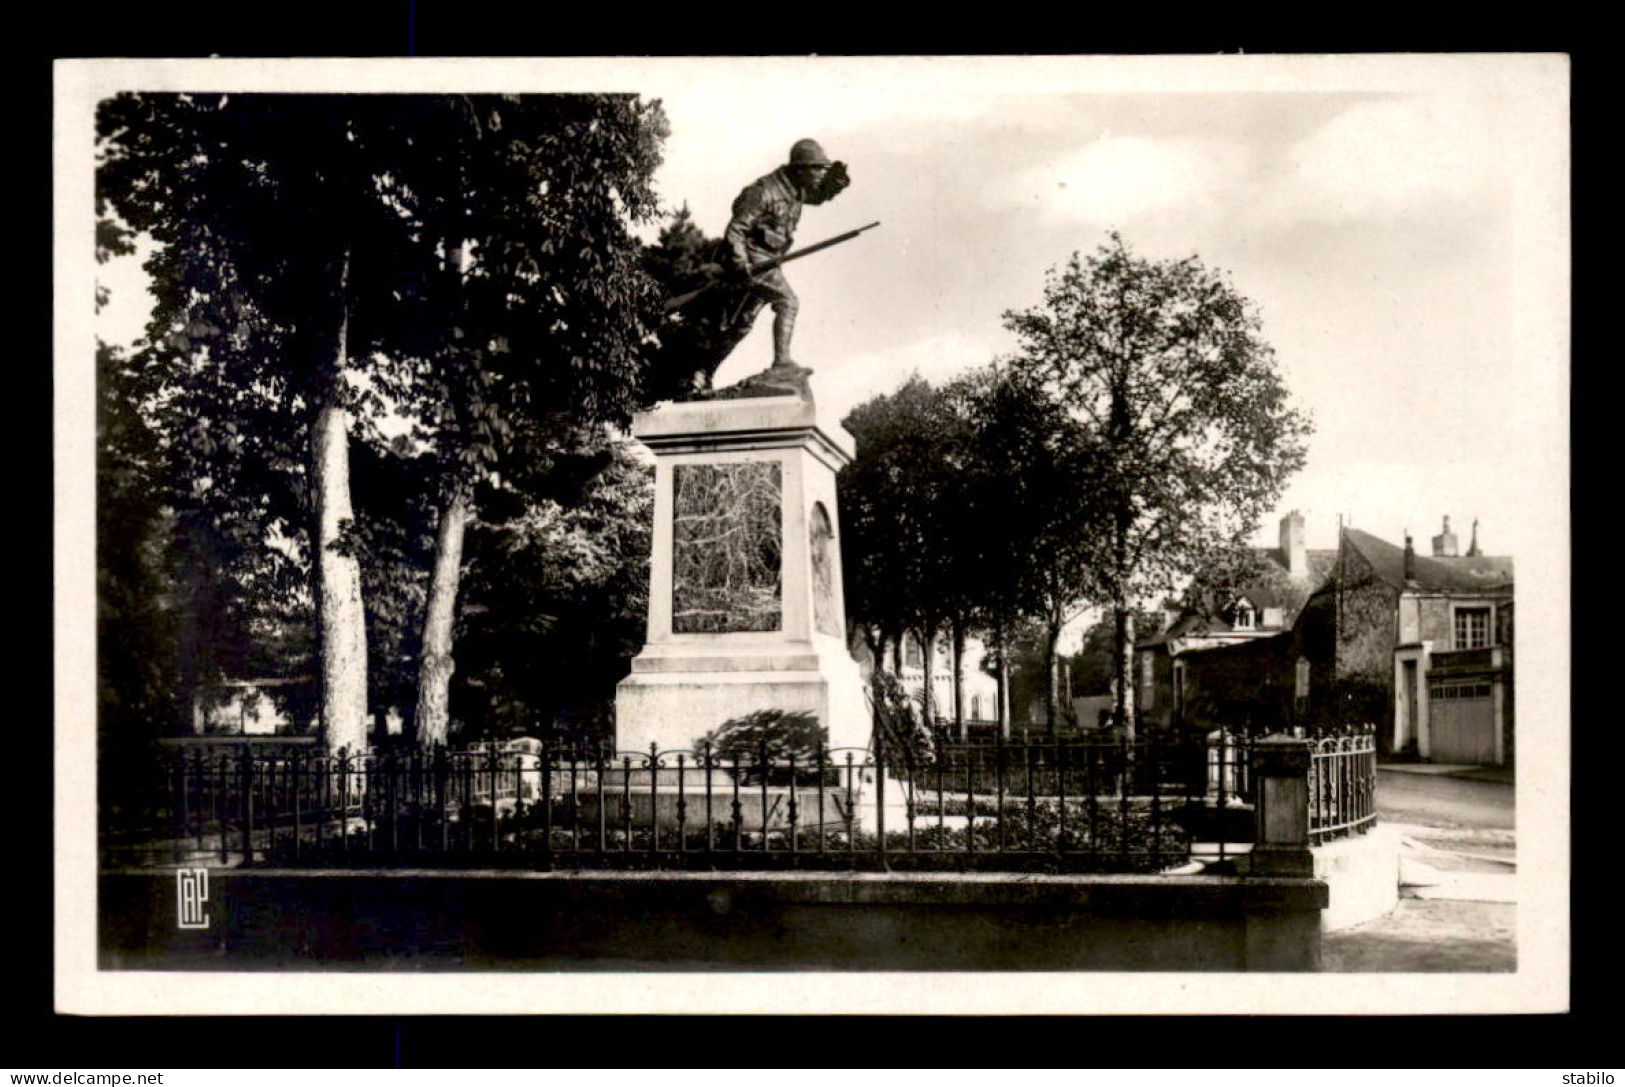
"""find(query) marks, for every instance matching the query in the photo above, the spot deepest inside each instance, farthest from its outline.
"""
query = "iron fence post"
(654, 800)
(682, 805)
(819, 756)
(248, 805)
(546, 791)
(710, 816)
(880, 798)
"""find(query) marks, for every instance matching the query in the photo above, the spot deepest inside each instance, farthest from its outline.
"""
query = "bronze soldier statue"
(718, 297)
(763, 229)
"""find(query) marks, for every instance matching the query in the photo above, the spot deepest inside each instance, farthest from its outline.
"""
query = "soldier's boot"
(784, 324)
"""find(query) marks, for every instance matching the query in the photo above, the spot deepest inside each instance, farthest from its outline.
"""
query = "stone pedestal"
(1281, 814)
(745, 604)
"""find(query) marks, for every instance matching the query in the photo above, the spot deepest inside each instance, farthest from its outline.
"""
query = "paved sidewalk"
(1425, 936)
(1457, 911)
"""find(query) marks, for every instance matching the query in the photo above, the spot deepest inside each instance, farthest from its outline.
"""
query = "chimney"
(1292, 552)
(1444, 544)
(1472, 549)
(1410, 558)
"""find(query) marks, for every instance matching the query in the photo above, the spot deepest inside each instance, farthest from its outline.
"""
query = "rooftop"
(1475, 573)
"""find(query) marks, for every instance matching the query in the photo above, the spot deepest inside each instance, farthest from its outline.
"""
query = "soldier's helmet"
(808, 153)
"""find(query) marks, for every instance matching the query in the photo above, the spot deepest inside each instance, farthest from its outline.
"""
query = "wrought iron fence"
(1342, 783)
(1061, 805)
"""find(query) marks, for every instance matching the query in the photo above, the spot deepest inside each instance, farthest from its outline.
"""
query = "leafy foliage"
(901, 507)
(1165, 364)
(393, 534)
(693, 340)
(1094, 663)
(905, 735)
(555, 600)
(967, 507)
(756, 741)
(1034, 486)
(458, 265)
(138, 620)
(1234, 569)
(1107, 840)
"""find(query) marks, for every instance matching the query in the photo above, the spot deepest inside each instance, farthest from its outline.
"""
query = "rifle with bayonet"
(759, 267)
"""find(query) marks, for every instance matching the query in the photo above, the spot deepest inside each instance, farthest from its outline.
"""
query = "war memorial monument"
(745, 600)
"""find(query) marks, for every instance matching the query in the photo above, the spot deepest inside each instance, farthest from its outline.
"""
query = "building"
(1420, 646)
(978, 689)
(246, 707)
(1264, 607)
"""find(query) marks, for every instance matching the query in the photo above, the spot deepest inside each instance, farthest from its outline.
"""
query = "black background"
(35, 1038)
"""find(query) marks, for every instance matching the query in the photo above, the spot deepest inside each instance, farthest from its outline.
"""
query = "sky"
(1372, 226)
(1399, 223)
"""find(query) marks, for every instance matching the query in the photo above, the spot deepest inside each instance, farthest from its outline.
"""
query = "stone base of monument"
(883, 806)
(745, 605)
(676, 695)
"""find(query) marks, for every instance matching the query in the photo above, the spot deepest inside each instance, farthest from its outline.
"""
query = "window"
(1472, 628)
(1243, 619)
(1148, 679)
(1459, 691)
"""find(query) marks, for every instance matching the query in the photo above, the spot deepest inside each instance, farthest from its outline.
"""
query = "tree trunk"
(959, 678)
(1069, 713)
(1004, 680)
(1052, 666)
(342, 619)
(875, 642)
(435, 664)
(1123, 710)
(928, 647)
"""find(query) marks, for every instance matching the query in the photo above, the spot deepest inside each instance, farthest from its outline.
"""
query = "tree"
(1094, 665)
(278, 279)
(556, 600)
(1029, 490)
(138, 626)
(1233, 569)
(900, 514)
(548, 308)
(1165, 363)
(326, 262)
(966, 509)
(692, 341)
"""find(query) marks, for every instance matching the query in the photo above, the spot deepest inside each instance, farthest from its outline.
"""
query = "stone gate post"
(1281, 808)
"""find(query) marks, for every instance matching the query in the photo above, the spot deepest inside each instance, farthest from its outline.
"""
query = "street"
(1446, 802)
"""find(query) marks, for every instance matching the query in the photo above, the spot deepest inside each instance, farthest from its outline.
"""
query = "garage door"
(1461, 722)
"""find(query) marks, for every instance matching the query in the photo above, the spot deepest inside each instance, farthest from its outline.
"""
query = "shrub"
(756, 742)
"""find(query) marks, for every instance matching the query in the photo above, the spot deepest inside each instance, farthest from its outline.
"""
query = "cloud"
(1426, 155)
(723, 137)
(938, 359)
(1117, 179)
